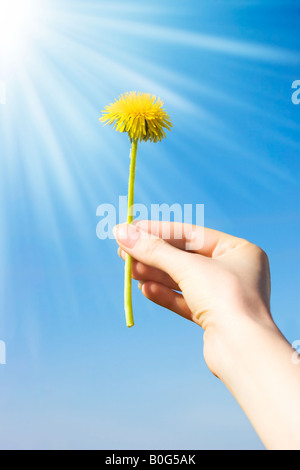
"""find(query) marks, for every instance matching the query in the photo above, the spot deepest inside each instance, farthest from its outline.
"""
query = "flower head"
(140, 115)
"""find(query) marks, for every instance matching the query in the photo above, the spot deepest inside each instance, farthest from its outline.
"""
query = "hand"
(221, 286)
(225, 288)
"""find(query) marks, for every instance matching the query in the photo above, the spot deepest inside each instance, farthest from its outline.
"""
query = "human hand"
(223, 286)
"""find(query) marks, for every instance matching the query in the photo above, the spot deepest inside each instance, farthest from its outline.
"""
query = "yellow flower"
(140, 115)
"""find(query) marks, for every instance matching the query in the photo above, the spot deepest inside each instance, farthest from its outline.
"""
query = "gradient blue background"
(76, 377)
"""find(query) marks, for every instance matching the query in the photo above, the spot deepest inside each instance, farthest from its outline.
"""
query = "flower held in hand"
(143, 118)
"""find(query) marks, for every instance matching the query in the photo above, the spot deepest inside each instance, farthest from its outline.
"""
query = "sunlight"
(16, 23)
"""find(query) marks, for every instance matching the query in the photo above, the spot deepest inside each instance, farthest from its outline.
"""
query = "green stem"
(128, 261)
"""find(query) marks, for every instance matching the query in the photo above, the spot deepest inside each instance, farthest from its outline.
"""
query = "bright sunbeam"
(16, 22)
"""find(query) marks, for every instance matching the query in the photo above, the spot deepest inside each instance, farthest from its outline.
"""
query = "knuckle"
(264, 257)
(153, 247)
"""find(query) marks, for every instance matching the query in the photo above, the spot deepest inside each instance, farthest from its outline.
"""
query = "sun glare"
(16, 21)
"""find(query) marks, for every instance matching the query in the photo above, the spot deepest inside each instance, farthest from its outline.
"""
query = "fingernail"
(127, 235)
(140, 285)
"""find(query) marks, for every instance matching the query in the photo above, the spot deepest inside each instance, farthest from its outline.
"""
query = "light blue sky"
(76, 377)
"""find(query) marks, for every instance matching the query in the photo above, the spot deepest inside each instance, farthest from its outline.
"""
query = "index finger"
(205, 241)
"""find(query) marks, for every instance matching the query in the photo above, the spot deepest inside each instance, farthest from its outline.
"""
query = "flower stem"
(128, 261)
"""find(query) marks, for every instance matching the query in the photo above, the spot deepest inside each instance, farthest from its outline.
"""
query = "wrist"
(256, 366)
(229, 344)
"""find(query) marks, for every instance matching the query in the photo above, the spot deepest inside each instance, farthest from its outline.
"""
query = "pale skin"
(224, 287)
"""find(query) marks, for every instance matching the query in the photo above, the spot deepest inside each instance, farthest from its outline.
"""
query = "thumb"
(151, 250)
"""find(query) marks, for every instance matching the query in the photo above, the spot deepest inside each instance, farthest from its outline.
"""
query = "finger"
(166, 298)
(142, 272)
(206, 241)
(153, 251)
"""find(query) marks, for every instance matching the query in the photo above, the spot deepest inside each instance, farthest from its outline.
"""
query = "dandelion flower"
(142, 117)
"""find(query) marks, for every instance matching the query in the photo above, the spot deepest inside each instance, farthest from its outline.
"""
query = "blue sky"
(75, 376)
